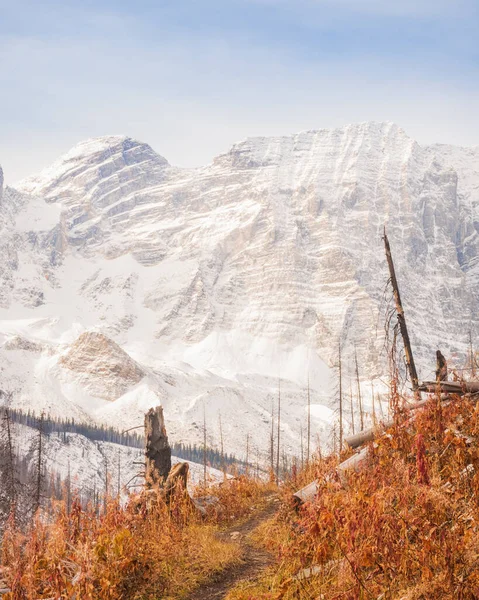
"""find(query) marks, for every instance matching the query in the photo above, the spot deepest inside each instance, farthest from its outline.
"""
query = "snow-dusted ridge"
(217, 281)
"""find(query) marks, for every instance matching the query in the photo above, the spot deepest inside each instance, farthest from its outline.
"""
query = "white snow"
(223, 280)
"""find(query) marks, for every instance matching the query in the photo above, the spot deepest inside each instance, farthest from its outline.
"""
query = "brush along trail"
(254, 558)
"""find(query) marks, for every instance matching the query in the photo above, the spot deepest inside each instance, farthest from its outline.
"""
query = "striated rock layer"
(217, 281)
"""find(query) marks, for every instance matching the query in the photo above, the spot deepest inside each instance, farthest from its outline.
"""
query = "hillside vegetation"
(405, 527)
(148, 549)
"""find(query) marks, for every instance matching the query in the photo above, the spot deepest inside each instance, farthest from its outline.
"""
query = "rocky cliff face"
(219, 280)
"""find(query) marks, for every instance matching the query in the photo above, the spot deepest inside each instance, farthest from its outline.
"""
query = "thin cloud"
(191, 92)
(421, 8)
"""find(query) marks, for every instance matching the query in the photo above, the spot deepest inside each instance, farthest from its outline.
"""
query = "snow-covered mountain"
(126, 281)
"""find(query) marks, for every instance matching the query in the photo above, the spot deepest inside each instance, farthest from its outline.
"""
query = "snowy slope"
(209, 284)
(91, 463)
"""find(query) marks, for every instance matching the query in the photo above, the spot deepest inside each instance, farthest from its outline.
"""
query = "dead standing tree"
(157, 448)
(8, 479)
(402, 320)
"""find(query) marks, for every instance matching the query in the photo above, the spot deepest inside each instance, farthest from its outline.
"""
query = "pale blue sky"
(191, 77)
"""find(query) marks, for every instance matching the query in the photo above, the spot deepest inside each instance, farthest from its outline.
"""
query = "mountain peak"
(107, 161)
(106, 143)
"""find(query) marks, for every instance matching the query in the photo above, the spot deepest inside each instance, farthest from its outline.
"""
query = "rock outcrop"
(107, 370)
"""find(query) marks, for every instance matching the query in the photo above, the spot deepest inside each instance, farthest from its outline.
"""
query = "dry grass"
(405, 528)
(146, 550)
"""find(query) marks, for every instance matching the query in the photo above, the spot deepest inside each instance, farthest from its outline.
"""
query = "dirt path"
(254, 558)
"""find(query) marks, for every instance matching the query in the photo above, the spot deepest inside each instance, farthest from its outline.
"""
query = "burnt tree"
(441, 367)
(157, 448)
(401, 319)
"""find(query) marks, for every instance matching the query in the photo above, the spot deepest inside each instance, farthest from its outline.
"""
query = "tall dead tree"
(9, 480)
(302, 452)
(309, 425)
(69, 489)
(204, 444)
(351, 406)
(471, 356)
(279, 431)
(360, 402)
(157, 448)
(107, 479)
(39, 472)
(222, 447)
(271, 441)
(118, 475)
(401, 319)
(340, 399)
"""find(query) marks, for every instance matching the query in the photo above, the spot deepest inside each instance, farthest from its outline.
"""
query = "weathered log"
(450, 387)
(353, 463)
(309, 572)
(363, 437)
(157, 448)
(368, 435)
(306, 494)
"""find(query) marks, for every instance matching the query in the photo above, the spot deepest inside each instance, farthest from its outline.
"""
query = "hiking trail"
(254, 558)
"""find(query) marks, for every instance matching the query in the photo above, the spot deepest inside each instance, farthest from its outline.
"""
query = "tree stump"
(157, 448)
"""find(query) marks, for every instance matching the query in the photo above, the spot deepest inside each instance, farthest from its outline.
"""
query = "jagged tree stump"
(177, 482)
(157, 448)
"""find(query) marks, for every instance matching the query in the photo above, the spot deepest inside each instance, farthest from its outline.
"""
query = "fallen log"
(450, 387)
(368, 435)
(353, 463)
(363, 437)
(309, 572)
(306, 494)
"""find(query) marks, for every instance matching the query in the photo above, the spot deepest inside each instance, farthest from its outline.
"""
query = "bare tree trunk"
(10, 467)
(118, 483)
(105, 497)
(360, 402)
(351, 405)
(340, 402)
(157, 448)
(271, 448)
(472, 357)
(309, 425)
(39, 466)
(302, 453)
(204, 444)
(247, 453)
(441, 367)
(69, 490)
(279, 431)
(402, 320)
(223, 468)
